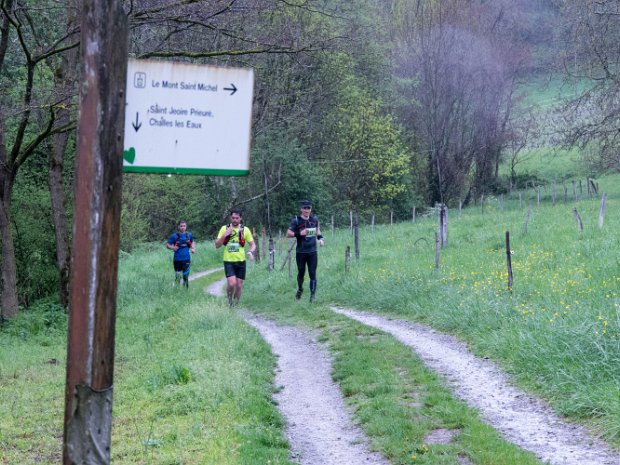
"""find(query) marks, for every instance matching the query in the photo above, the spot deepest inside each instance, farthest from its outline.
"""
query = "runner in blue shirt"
(182, 242)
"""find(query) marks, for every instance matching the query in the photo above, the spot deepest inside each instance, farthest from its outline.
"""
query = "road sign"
(187, 119)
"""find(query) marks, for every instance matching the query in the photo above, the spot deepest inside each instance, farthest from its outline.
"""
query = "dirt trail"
(520, 418)
(319, 426)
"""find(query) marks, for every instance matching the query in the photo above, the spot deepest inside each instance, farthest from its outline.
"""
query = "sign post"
(92, 306)
(187, 119)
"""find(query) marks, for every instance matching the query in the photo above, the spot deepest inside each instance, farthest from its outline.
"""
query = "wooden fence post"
(509, 260)
(351, 220)
(333, 227)
(601, 215)
(578, 218)
(413, 215)
(357, 237)
(443, 224)
(272, 254)
(437, 250)
(372, 223)
(347, 259)
(391, 217)
(257, 243)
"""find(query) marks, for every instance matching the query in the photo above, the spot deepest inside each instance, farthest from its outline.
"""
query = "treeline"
(362, 105)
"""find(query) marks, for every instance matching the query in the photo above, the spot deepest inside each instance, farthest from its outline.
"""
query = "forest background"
(367, 106)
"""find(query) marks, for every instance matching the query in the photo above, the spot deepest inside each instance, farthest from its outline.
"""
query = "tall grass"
(193, 382)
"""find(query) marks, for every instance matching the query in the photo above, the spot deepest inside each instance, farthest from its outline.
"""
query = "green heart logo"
(129, 155)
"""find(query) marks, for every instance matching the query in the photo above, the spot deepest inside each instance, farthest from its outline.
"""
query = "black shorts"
(236, 269)
(181, 265)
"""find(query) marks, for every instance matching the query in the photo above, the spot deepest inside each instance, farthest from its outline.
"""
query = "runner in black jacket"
(305, 227)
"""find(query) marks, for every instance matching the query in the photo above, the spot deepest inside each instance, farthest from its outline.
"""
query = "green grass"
(557, 332)
(193, 382)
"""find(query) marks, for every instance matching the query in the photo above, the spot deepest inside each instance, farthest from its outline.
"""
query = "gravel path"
(319, 426)
(522, 419)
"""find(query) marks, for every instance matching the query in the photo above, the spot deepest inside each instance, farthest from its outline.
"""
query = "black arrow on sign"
(137, 125)
(233, 88)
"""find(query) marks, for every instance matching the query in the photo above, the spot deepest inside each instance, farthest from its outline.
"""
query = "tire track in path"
(519, 417)
(319, 426)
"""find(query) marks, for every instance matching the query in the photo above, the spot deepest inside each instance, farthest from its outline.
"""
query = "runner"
(182, 242)
(305, 227)
(235, 237)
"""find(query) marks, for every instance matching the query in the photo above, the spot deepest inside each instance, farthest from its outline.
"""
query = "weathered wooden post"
(347, 259)
(96, 234)
(272, 254)
(351, 220)
(333, 227)
(258, 248)
(413, 215)
(372, 223)
(601, 215)
(357, 237)
(264, 239)
(437, 250)
(391, 217)
(443, 224)
(578, 218)
(509, 260)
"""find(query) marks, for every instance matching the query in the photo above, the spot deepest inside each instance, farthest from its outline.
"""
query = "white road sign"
(187, 119)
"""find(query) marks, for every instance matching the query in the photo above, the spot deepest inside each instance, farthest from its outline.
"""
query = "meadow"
(193, 382)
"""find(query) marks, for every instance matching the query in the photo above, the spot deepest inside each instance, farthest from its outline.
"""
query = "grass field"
(193, 382)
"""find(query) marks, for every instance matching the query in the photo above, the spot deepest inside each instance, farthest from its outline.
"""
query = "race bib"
(311, 232)
(233, 247)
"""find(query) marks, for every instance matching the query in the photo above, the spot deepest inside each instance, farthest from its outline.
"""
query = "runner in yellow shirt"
(235, 238)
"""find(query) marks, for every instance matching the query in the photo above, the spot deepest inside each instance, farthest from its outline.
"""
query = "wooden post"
(347, 259)
(391, 217)
(594, 187)
(257, 243)
(333, 227)
(97, 214)
(413, 215)
(357, 238)
(578, 218)
(437, 250)
(520, 200)
(351, 220)
(509, 260)
(601, 215)
(527, 219)
(460, 206)
(443, 224)
(288, 255)
(272, 254)
(372, 223)
(264, 239)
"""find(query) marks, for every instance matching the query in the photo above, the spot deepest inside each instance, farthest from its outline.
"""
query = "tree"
(590, 32)
(30, 38)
